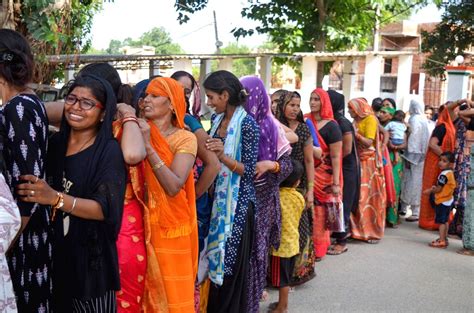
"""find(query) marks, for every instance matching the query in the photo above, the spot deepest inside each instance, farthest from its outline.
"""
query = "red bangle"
(130, 119)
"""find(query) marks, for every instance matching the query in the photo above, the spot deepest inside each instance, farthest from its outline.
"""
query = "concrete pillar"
(226, 64)
(69, 74)
(405, 63)
(458, 82)
(349, 79)
(372, 73)
(183, 65)
(205, 70)
(154, 68)
(309, 73)
(265, 71)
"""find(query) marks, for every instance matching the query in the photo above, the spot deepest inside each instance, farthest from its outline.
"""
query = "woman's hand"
(36, 190)
(309, 197)
(336, 190)
(263, 167)
(215, 145)
(145, 128)
(125, 110)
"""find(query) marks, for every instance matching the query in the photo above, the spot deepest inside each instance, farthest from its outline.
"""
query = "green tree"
(314, 25)
(157, 37)
(240, 67)
(458, 22)
(114, 47)
(52, 27)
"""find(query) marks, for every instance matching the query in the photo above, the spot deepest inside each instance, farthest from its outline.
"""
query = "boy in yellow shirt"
(283, 260)
(441, 198)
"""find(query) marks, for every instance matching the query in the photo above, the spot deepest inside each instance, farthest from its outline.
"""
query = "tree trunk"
(320, 43)
(7, 16)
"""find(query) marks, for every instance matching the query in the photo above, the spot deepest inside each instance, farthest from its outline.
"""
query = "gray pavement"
(400, 274)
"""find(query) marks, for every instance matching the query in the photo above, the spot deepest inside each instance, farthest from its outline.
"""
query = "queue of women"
(131, 206)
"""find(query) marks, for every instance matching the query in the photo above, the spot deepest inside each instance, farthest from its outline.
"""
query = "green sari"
(397, 169)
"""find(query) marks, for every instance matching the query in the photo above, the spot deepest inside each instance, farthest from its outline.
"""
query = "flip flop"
(439, 244)
(337, 251)
(373, 241)
(466, 252)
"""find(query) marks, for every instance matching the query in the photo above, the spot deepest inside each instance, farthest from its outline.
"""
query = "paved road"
(400, 274)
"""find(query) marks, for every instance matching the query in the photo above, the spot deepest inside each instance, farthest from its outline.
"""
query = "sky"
(131, 18)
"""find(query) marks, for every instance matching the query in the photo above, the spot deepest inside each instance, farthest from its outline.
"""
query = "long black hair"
(221, 81)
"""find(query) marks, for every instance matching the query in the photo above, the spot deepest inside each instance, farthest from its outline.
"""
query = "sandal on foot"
(441, 244)
(272, 306)
(335, 251)
(412, 219)
(438, 240)
(373, 241)
(467, 252)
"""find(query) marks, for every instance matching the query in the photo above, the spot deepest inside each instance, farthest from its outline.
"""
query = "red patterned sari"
(131, 241)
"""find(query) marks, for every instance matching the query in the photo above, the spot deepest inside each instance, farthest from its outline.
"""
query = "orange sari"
(368, 222)
(171, 233)
(431, 171)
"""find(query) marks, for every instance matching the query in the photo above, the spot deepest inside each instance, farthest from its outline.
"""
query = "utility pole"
(218, 42)
(377, 28)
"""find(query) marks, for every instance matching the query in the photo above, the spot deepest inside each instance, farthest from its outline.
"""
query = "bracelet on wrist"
(73, 206)
(235, 166)
(58, 205)
(158, 165)
(129, 119)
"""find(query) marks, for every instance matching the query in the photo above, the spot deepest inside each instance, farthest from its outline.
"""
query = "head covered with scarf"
(361, 108)
(325, 111)
(258, 106)
(338, 104)
(283, 100)
(171, 89)
(419, 131)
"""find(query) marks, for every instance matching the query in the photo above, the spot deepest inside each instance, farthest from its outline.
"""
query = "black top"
(85, 251)
(350, 160)
(439, 132)
(331, 133)
(25, 126)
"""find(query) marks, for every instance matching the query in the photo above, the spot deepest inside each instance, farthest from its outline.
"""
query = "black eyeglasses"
(85, 104)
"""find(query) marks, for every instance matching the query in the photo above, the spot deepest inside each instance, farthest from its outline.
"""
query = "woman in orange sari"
(328, 211)
(368, 221)
(442, 139)
(170, 213)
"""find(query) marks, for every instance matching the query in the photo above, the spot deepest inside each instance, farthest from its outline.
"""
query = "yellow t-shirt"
(368, 127)
(448, 182)
(292, 206)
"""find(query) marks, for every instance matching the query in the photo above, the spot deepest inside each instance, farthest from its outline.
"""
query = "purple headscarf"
(258, 106)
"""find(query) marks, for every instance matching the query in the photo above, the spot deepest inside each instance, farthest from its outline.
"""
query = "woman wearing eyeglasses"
(87, 175)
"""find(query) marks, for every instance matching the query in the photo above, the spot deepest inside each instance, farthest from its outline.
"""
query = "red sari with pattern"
(131, 241)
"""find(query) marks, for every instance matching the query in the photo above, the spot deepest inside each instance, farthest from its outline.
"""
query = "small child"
(441, 198)
(283, 260)
(397, 129)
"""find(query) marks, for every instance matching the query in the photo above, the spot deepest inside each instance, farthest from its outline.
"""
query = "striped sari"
(368, 222)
